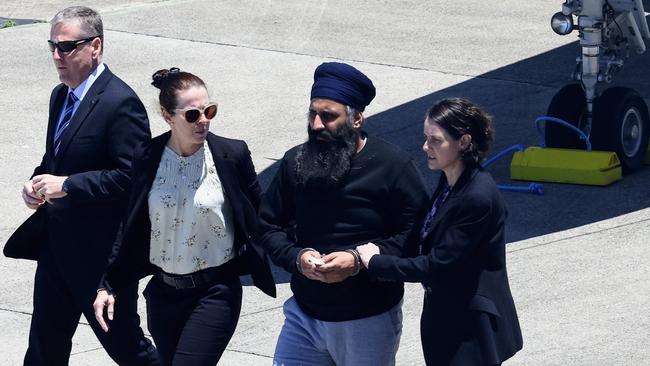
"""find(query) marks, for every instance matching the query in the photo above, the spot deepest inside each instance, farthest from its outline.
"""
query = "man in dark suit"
(79, 192)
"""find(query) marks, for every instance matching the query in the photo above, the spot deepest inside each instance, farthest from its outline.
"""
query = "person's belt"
(200, 278)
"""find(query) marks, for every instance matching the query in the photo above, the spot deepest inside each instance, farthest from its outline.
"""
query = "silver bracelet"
(300, 253)
(357, 261)
(107, 291)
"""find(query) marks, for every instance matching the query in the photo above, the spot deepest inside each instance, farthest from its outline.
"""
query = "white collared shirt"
(191, 219)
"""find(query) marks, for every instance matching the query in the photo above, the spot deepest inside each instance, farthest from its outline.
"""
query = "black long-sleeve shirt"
(381, 200)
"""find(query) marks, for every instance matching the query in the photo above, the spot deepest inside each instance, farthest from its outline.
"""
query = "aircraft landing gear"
(623, 126)
(621, 123)
(568, 104)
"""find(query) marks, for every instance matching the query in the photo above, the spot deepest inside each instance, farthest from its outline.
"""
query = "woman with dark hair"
(190, 218)
(469, 317)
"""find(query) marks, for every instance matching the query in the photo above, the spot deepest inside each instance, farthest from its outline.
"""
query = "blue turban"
(344, 84)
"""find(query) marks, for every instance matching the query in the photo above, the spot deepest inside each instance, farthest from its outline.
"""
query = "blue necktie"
(65, 121)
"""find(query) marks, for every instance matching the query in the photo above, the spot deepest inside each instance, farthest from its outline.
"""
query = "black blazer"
(95, 152)
(465, 278)
(130, 259)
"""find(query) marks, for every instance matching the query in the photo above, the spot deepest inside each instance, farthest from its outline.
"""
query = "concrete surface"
(577, 261)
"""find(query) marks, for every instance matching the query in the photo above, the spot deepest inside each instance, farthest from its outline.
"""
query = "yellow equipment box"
(598, 168)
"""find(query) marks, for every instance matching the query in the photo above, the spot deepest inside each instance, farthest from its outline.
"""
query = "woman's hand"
(103, 300)
(366, 252)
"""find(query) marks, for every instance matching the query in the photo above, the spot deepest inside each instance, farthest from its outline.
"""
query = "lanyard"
(432, 213)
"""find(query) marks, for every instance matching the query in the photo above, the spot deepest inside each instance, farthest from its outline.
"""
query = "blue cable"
(501, 153)
(534, 188)
(542, 139)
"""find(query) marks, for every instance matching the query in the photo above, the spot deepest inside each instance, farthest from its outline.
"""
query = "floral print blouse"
(191, 221)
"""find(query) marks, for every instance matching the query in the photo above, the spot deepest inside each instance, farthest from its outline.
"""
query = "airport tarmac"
(577, 256)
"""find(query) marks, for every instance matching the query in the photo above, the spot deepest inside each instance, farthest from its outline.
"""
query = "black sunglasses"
(193, 114)
(68, 46)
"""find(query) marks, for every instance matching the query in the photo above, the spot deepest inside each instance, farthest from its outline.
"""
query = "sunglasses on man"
(193, 114)
(68, 46)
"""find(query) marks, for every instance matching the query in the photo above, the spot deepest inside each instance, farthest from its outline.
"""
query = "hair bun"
(160, 76)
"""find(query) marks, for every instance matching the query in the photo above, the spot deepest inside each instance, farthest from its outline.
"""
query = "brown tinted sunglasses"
(192, 114)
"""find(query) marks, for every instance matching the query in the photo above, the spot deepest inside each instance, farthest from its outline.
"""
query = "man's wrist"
(109, 292)
(299, 258)
(357, 261)
(65, 187)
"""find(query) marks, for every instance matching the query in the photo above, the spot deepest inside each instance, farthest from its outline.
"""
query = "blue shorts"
(305, 341)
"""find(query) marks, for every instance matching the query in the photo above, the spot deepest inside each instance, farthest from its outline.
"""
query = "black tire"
(568, 104)
(621, 124)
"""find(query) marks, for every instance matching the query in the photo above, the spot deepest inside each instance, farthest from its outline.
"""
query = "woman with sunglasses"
(469, 316)
(190, 218)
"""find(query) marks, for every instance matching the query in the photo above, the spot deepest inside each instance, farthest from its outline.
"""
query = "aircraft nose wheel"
(630, 136)
(620, 123)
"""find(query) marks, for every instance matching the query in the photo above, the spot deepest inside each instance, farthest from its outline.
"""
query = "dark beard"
(324, 164)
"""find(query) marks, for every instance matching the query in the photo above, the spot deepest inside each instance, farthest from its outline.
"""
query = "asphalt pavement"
(577, 256)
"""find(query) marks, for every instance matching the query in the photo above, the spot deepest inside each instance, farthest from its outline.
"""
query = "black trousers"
(193, 326)
(449, 339)
(57, 310)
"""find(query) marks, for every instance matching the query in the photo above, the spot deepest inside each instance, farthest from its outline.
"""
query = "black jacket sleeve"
(407, 201)
(469, 224)
(129, 128)
(276, 216)
(250, 183)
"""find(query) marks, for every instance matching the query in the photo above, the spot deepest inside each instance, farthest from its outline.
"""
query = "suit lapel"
(441, 183)
(88, 103)
(440, 214)
(227, 176)
(458, 188)
(56, 104)
(144, 180)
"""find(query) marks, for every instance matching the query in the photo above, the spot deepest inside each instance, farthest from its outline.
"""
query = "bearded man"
(336, 190)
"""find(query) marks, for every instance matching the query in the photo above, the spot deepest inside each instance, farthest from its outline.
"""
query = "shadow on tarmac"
(507, 94)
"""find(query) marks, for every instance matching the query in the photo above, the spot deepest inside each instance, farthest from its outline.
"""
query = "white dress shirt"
(191, 221)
